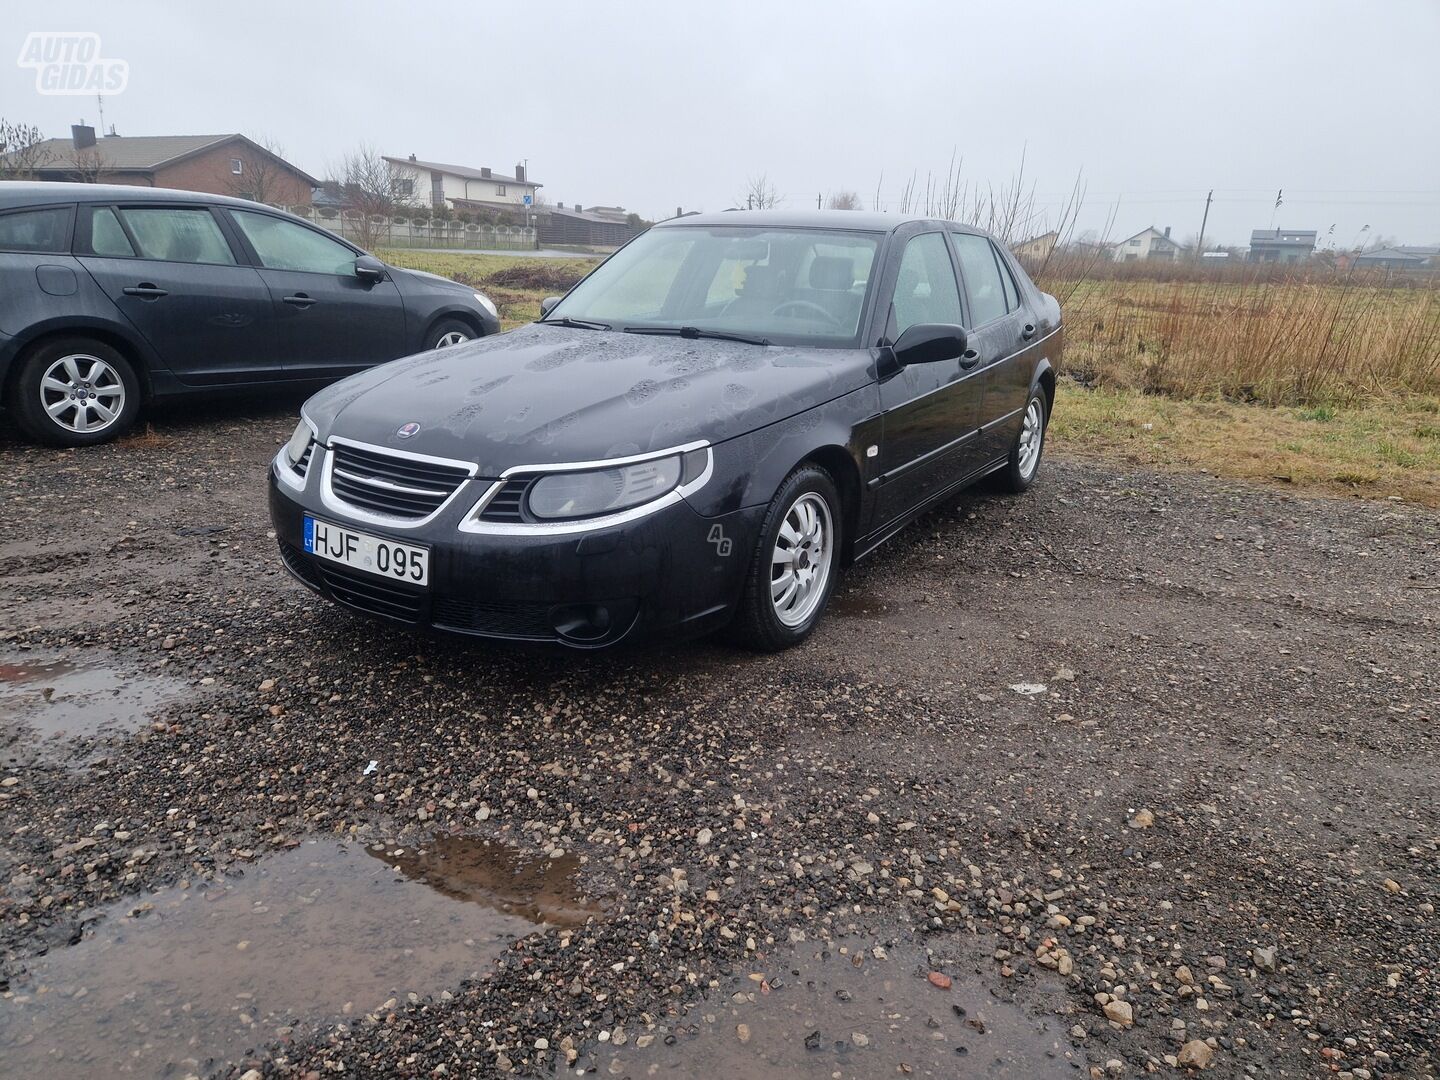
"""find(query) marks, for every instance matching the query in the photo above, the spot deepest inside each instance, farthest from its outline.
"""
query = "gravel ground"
(1201, 833)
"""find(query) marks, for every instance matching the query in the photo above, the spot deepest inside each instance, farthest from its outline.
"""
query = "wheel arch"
(458, 315)
(1045, 380)
(122, 344)
(840, 464)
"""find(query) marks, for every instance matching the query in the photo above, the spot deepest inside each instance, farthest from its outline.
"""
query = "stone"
(1264, 957)
(1143, 819)
(1195, 1054)
(940, 979)
(1119, 1012)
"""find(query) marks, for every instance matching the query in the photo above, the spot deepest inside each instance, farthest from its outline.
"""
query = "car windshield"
(792, 286)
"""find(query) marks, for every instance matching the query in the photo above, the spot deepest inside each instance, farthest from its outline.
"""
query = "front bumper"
(673, 573)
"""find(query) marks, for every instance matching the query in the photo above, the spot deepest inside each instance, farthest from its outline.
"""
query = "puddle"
(819, 1012)
(855, 603)
(318, 933)
(45, 702)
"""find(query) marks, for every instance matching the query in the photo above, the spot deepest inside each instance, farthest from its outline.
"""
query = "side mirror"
(369, 269)
(929, 343)
(548, 304)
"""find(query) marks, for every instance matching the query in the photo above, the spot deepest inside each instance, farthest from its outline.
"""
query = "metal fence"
(405, 232)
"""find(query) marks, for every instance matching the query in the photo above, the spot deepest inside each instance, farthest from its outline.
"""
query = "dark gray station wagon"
(111, 296)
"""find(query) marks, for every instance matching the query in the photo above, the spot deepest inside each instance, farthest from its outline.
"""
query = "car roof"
(15, 193)
(849, 220)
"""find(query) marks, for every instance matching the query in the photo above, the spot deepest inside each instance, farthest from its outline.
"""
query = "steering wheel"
(808, 307)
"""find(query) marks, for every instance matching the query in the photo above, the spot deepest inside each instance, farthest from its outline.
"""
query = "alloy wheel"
(802, 558)
(1031, 437)
(453, 337)
(82, 393)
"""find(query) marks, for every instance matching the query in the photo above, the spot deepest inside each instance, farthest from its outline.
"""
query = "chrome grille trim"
(412, 505)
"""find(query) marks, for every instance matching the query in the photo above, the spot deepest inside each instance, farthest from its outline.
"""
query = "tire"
(75, 391)
(1023, 465)
(763, 622)
(448, 332)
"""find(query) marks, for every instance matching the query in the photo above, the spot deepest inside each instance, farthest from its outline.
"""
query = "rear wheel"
(75, 392)
(448, 332)
(796, 560)
(1024, 463)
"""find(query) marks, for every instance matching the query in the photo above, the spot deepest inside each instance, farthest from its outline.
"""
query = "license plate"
(383, 558)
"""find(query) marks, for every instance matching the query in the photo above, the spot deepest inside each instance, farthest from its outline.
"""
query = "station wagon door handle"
(300, 300)
(146, 291)
(969, 358)
(1028, 332)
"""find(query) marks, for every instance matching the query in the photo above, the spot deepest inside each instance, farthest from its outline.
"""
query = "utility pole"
(750, 202)
(817, 200)
(1200, 244)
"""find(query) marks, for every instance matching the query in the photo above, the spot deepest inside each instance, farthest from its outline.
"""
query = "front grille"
(502, 620)
(508, 503)
(394, 486)
(370, 594)
(298, 565)
(302, 467)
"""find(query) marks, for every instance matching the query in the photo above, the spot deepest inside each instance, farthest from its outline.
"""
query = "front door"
(930, 412)
(329, 322)
(174, 276)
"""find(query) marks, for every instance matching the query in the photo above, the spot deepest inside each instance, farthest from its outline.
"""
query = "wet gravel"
(1162, 749)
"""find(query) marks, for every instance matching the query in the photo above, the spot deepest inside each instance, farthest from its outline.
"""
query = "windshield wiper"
(697, 332)
(575, 324)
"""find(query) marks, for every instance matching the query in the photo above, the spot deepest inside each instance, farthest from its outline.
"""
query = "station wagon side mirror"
(929, 343)
(548, 304)
(369, 269)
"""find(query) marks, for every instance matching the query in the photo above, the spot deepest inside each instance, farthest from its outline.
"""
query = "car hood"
(546, 394)
(427, 278)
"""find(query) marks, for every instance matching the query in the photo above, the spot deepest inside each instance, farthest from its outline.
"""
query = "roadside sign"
(528, 200)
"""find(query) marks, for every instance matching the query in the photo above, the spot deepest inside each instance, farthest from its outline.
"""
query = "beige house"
(1150, 243)
(433, 183)
(1037, 248)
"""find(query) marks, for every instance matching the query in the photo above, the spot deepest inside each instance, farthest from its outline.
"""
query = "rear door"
(174, 275)
(929, 411)
(329, 322)
(1003, 328)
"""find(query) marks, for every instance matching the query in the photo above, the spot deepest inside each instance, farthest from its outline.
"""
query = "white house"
(1151, 243)
(432, 183)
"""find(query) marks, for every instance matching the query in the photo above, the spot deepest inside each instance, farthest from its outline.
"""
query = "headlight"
(488, 304)
(603, 491)
(295, 448)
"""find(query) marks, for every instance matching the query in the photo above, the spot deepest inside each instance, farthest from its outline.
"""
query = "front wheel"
(795, 563)
(1024, 463)
(448, 332)
(75, 392)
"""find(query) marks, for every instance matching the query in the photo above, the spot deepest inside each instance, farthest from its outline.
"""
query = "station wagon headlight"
(488, 304)
(299, 442)
(603, 491)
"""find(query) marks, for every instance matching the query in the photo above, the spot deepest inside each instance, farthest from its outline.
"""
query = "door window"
(925, 290)
(45, 230)
(284, 245)
(175, 235)
(1007, 279)
(106, 236)
(982, 278)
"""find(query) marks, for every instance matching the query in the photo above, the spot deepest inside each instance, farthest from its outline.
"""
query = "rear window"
(46, 230)
(190, 236)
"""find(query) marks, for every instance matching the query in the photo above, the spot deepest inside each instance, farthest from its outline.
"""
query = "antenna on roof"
(100, 101)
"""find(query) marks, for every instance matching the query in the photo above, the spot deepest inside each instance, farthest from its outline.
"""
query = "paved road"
(1213, 832)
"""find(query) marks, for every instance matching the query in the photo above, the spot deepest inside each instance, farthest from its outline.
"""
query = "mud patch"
(852, 1009)
(50, 707)
(192, 978)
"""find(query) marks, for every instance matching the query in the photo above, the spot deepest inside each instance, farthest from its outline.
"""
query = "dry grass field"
(1320, 383)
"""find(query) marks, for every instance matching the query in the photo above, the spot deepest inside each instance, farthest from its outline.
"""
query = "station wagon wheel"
(794, 563)
(75, 392)
(1024, 462)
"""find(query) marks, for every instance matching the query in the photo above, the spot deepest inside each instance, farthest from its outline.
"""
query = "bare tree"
(760, 194)
(89, 165)
(372, 189)
(22, 151)
(843, 200)
(262, 171)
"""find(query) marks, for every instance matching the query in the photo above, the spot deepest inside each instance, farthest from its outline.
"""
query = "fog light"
(589, 624)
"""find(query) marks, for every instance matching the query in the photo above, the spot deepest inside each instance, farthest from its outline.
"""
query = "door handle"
(969, 358)
(1028, 332)
(146, 291)
(300, 300)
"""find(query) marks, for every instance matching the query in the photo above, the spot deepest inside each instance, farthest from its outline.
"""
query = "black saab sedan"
(112, 296)
(701, 434)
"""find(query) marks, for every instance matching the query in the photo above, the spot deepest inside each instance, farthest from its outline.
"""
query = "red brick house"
(218, 164)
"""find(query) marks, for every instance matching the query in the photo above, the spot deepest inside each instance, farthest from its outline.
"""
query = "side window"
(982, 277)
(1012, 295)
(106, 236)
(189, 236)
(45, 230)
(925, 290)
(284, 245)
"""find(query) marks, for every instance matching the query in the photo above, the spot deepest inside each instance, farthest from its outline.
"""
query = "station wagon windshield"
(793, 286)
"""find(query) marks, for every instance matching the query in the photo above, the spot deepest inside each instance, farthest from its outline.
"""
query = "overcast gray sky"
(658, 105)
